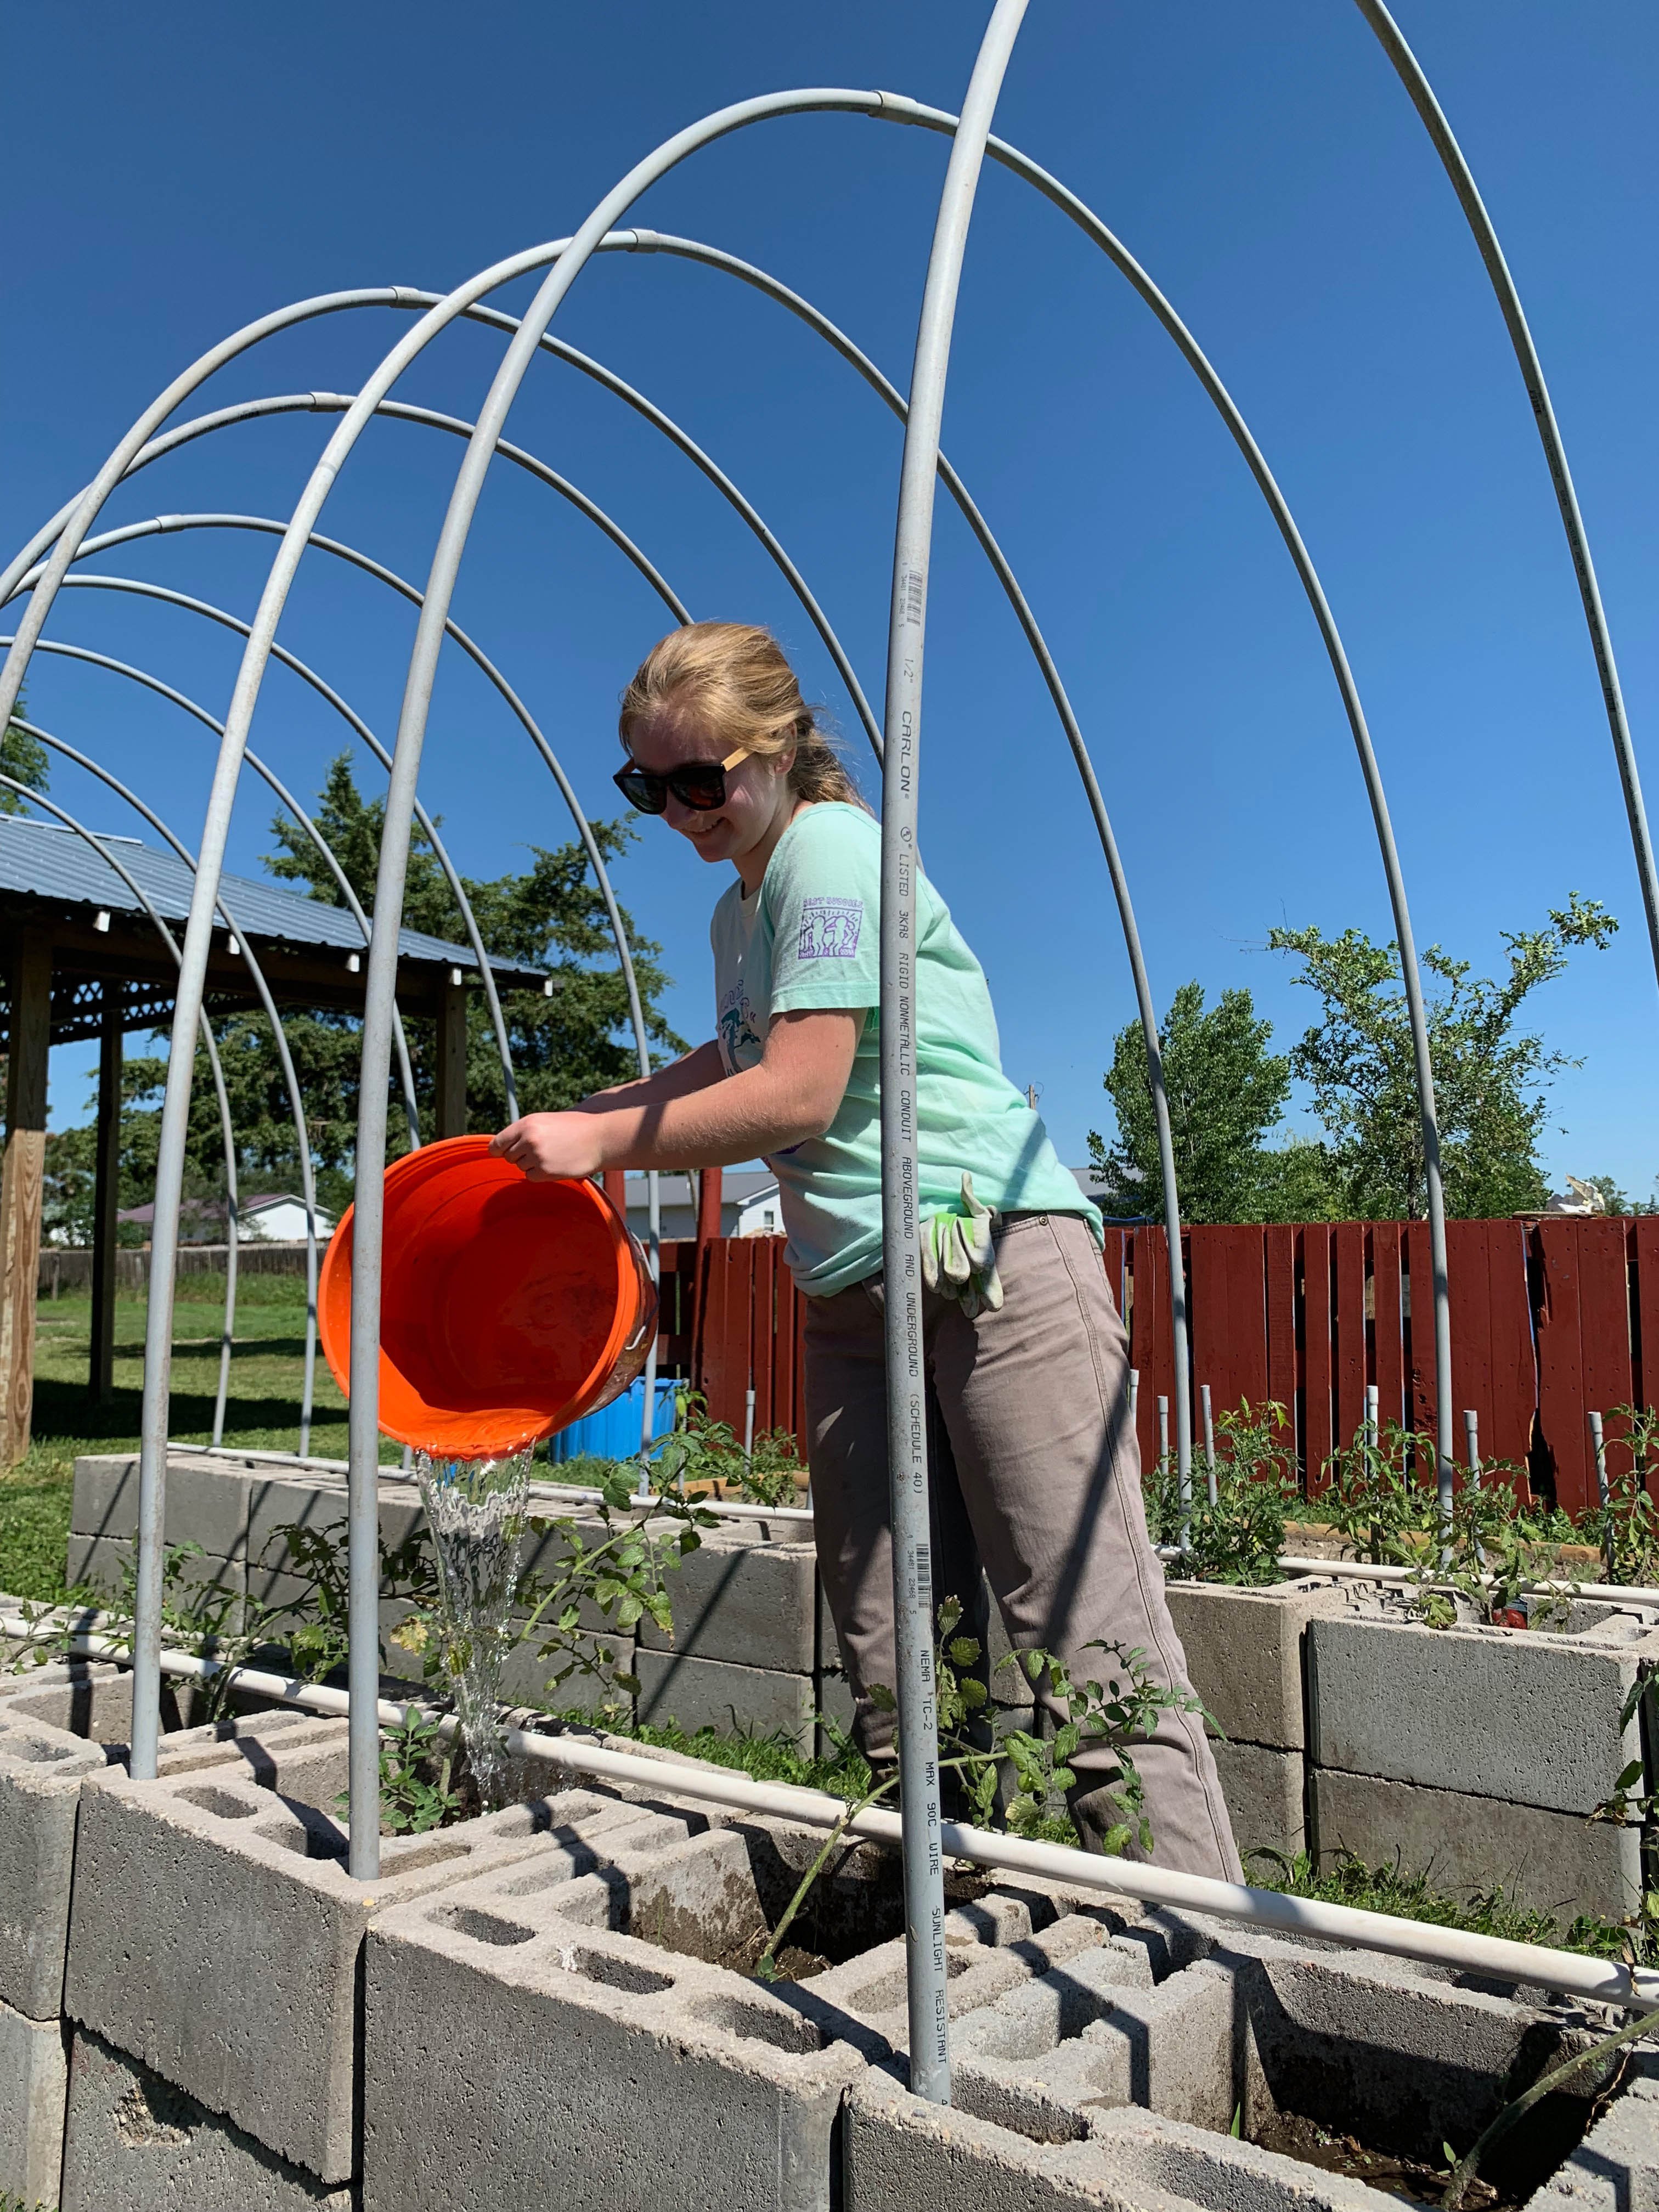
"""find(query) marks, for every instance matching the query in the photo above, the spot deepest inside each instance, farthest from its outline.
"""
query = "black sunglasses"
(700, 785)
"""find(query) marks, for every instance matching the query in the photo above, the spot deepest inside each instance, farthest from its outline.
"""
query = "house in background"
(741, 1188)
(268, 1218)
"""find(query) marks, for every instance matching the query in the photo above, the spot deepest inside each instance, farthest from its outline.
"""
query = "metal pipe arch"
(909, 1526)
(342, 881)
(226, 1132)
(142, 589)
(1412, 75)
(290, 1080)
(899, 110)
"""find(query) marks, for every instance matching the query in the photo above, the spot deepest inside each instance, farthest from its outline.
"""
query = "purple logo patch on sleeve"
(829, 929)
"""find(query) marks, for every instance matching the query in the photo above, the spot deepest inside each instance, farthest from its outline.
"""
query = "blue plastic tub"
(613, 1432)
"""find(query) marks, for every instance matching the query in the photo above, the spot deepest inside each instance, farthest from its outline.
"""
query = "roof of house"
(257, 1203)
(736, 1185)
(44, 861)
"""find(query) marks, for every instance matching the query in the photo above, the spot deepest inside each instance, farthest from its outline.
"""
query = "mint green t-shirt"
(810, 937)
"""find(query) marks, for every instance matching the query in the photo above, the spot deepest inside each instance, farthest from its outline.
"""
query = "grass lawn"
(263, 1410)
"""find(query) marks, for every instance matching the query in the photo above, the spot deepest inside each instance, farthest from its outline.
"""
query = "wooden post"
(452, 1060)
(106, 1199)
(21, 1177)
(710, 1191)
(615, 1181)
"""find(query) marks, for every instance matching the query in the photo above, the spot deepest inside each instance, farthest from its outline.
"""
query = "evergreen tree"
(549, 916)
(1225, 1089)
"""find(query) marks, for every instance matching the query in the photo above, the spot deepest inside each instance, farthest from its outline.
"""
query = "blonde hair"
(734, 679)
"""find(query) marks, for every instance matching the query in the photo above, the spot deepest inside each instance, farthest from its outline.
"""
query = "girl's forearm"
(743, 1117)
(692, 1071)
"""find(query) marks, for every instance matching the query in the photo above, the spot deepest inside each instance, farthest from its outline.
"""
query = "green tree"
(549, 916)
(1491, 1078)
(22, 757)
(1226, 1090)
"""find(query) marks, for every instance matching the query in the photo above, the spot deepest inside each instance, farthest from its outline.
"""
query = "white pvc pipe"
(1569, 1972)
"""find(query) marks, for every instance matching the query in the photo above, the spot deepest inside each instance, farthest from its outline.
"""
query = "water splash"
(475, 1511)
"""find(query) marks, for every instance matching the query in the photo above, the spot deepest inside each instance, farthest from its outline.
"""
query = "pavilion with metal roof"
(80, 957)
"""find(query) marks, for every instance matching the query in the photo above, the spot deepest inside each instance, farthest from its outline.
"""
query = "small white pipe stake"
(1134, 1393)
(1472, 1444)
(1209, 1438)
(1163, 1428)
(749, 1425)
(1600, 1443)
(1372, 1415)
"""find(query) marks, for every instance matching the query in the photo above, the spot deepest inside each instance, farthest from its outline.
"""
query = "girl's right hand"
(547, 1146)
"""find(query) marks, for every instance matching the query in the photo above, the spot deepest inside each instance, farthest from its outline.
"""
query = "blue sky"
(175, 172)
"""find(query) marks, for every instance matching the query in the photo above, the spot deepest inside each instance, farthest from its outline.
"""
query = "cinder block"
(1556, 1862)
(31, 2079)
(305, 1499)
(215, 1935)
(1523, 1715)
(60, 1728)
(904, 2155)
(734, 1700)
(134, 2143)
(41, 1770)
(1617, 2165)
(1264, 1790)
(1388, 2050)
(1048, 2077)
(207, 1500)
(992, 1947)
(1048, 2056)
(103, 1564)
(739, 1598)
(1244, 1651)
(574, 2065)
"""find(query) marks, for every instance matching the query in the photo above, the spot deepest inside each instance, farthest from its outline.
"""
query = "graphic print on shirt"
(737, 1028)
(829, 929)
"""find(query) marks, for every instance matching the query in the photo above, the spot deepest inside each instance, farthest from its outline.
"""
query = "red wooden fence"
(1549, 1319)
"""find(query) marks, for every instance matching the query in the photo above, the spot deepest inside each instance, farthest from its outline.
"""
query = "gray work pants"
(1036, 1473)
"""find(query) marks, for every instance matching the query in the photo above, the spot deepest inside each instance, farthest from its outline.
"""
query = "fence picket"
(1350, 1370)
(1388, 1324)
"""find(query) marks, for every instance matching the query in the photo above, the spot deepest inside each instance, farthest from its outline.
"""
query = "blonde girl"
(1035, 1472)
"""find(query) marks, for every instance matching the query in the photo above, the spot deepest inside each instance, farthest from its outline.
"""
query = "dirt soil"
(1292, 2136)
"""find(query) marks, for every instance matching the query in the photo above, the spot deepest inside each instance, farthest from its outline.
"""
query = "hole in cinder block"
(422, 1856)
(576, 1859)
(784, 2031)
(1348, 2093)
(307, 1834)
(614, 1973)
(219, 1803)
(36, 1753)
(483, 1927)
(887, 1992)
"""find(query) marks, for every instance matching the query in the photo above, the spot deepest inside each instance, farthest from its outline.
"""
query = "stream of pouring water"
(475, 1510)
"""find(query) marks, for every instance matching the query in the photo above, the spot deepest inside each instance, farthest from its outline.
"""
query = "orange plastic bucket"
(508, 1309)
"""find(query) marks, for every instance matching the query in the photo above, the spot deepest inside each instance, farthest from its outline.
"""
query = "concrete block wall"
(562, 1995)
(1474, 1754)
(63, 1728)
(1480, 1753)
(1246, 1655)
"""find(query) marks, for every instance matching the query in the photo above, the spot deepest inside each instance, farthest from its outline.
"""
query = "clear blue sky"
(173, 173)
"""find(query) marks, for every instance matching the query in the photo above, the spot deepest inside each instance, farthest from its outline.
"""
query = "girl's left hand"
(550, 1146)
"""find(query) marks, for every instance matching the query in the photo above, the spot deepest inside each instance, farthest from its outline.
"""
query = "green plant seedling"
(417, 1763)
